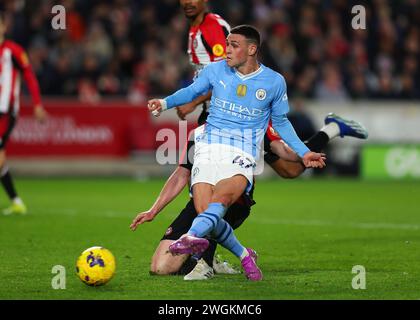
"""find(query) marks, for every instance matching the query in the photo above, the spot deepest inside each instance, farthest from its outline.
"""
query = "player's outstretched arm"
(186, 109)
(173, 186)
(282, 150)
(285, 129)
(280, 108)
(21, 58)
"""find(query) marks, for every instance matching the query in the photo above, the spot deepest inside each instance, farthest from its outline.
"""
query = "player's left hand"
(141, 218)
(40, 113)
(314, 160)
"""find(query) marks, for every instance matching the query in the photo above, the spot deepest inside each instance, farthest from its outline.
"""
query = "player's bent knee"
(166, 266)
(161, 269)
(160, 266)
(163, 262)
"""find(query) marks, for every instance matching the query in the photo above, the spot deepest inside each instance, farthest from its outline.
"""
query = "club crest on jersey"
(218, 50)
(260, 94)
(195, 43)
(241, 90)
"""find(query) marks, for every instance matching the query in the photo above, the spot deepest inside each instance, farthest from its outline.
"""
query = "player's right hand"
(141, 218)
(155, 107)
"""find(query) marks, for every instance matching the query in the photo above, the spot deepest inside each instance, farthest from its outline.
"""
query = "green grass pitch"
(309, 234)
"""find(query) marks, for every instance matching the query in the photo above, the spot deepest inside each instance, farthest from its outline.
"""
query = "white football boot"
(221, 266)
(201, 271)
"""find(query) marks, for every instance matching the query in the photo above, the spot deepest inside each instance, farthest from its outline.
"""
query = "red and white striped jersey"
(272, 134)
(13, 62)
(207, 41)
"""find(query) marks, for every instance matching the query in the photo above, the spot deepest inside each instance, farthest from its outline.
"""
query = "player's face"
(193, 8)
(236, 50)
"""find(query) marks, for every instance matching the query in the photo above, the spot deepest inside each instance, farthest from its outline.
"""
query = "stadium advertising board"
(391, 161)
(80, 130)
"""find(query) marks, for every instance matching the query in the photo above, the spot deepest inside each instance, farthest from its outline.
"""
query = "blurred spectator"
(386, 86)
(137, 47)
(74, 21)
(358, 86)
(108, 82)
(98, 43)
(87, 91)
(330, 88)
(139, 90)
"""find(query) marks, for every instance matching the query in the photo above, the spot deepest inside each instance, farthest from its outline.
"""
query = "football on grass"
(95, 266)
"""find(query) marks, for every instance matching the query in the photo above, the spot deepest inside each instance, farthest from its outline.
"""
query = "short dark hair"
(249, 32)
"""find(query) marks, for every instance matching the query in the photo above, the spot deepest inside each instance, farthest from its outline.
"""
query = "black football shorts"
(235, 216)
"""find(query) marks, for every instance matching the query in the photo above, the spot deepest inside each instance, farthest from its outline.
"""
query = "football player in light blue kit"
(245, 95)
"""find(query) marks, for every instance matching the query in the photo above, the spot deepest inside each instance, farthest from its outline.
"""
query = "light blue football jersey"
(241, 106)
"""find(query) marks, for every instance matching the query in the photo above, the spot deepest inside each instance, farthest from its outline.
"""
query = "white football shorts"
(215, 162)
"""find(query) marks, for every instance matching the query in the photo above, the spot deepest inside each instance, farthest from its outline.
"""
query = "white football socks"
(332, 130)
(244, 254)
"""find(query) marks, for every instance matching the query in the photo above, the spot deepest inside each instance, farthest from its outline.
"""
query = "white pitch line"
(73, 212)
(319, 223)
(61, 211)
(357, 225)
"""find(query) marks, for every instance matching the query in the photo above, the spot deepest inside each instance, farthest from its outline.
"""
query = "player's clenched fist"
(156, 106)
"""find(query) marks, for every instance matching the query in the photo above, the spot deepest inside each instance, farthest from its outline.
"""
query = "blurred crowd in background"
(137, 48)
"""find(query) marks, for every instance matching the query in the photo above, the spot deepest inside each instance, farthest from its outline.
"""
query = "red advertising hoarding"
(75, 129)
